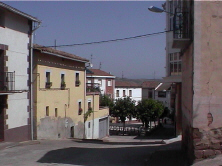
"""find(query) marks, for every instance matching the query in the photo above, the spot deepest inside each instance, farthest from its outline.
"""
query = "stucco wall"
(207, 106)
(15, 36)
(136, 93)
(66, 101)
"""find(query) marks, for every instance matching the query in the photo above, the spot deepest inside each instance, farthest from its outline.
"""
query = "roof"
(150, 84)
(59, 53)
(126, 84)
(98, 72)
(16, 11)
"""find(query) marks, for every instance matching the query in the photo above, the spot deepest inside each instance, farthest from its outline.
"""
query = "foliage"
(124, 107)
(87, 114)
(148, 109)
(105, 100)
(166, 113)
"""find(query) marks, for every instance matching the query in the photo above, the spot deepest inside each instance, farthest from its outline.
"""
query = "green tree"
(147, 110)
(105, 100)
(124, 107)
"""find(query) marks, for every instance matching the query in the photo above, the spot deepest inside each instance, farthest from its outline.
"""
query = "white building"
(130, 89)
(16, 30)
(98, 78)
(162, 94)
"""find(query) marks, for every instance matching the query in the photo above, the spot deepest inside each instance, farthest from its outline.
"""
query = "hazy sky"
(73, 22)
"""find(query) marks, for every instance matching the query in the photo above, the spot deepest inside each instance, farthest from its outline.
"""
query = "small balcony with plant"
(63, 85)
(77, 83)
(92, 88)
(48, 85)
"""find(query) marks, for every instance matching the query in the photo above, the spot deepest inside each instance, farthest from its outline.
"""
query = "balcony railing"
(63, 85)
(93, 87)
(48, 85)
(7, 81)
(181, 28)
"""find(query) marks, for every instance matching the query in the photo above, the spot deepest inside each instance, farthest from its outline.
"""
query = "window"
(161, 94)
(48, 84)
(100, 82)
(80, 108)
(47, 76)
(56, 112)
(47, 111)
(77, 79)
(63, 84)
(175, 64)
(117, 93)
(130, 93)
(89, 105)
(124, 93)
(150, 94)
(109, 83)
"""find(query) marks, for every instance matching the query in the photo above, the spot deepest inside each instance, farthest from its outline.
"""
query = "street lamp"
(158, 10)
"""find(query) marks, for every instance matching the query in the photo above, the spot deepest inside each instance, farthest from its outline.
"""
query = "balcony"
(63, 86)
(77, 82)
(92, 88)
(181, 28)
(48, 85)
(7, 81)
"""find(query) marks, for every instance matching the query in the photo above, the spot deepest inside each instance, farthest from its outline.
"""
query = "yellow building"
(60, 98)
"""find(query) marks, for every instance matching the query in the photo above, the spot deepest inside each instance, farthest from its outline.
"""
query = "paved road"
(113, 151)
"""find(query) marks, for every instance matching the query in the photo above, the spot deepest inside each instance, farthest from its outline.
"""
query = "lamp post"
(158, 10)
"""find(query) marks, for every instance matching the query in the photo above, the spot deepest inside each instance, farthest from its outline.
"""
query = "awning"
(163, 87)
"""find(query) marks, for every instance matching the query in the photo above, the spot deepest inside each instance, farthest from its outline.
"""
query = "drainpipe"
(84, 134)
(93, 117)
(31, 78)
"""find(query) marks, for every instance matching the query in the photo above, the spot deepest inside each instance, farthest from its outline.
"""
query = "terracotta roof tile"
(119, 83)
(150, 84)
(58, 52)
(98, 72)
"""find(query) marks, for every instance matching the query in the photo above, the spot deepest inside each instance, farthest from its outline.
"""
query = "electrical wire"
(113, 40)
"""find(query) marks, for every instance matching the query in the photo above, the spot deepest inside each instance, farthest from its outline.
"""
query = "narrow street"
(113, 151)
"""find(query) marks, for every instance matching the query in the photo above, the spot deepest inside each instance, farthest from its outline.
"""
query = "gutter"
(31, 78)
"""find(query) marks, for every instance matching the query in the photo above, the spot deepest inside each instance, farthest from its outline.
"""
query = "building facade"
(102, 80)
(196, 32)
(148, 89)
(128, 89)
(62, 107)
(16, 30)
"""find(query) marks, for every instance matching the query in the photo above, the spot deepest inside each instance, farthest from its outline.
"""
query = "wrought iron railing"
(92, 87)
(7, 81)
(181, 28)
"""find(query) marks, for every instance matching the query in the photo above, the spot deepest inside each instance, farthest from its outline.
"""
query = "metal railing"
(7, 81)
(181, 28)
(92, 87)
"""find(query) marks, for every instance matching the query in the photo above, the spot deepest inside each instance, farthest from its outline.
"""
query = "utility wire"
(113, 40)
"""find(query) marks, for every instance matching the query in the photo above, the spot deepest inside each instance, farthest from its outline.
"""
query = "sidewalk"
(7, 145)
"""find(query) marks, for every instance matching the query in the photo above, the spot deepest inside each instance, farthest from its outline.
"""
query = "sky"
(74, 22)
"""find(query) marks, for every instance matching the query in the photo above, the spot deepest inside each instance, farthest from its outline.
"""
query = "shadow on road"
(162, 132)
(124, 156)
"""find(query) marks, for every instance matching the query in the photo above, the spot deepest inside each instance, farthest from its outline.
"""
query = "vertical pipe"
(31, 76)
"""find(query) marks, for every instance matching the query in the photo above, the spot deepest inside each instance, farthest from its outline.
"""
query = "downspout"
(93, 117)
(31, 77)
(84, 134)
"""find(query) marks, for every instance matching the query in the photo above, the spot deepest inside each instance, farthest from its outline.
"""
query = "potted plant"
(78, 82)
(80, 111)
